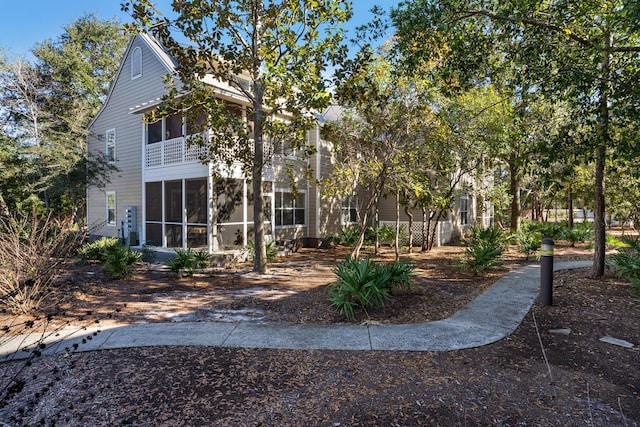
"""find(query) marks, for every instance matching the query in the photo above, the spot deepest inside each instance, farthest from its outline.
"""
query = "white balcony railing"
(173, 152)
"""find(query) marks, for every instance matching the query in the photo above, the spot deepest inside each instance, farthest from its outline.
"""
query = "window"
(154, 132)
(136, 63)
(173, 125)
(289, 209)
(110, 152)
(348, 210)
(111, 208)
(464, 209)
(170, 127)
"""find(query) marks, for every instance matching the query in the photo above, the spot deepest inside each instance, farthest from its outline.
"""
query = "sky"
(23, 23)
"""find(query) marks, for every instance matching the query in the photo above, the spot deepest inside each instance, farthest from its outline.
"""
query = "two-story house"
(163, 194)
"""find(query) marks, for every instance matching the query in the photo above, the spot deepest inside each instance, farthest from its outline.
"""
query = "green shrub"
(552, 230)
(271, 249)
(528, 241)
(387, 234)
(483, 248)
(614, 243)
(188, 260)
(626, 263)
(97, 250)
(348, 235)
(364, 283)
(581, 232)
(120, 262)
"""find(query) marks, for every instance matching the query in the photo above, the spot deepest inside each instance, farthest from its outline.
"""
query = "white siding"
(125, 93)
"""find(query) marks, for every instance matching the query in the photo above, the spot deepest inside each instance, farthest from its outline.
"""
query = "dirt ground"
(553, 371)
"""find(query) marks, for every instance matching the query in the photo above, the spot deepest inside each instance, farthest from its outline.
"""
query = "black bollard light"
(546, 272)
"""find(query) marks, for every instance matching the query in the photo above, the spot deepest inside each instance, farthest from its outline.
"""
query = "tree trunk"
(407, 211)
(260, 256)
(515, 194)
(597, 270)
(570, 206)
(425, 232)
(397, 237)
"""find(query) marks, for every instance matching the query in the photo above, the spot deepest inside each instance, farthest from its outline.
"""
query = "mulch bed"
(533, 377)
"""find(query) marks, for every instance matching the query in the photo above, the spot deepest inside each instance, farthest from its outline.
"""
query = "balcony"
(173, 152)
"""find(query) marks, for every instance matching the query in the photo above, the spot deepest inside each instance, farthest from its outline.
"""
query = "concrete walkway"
(490, 317)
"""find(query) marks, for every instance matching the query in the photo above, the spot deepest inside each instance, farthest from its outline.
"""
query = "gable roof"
(159, 52)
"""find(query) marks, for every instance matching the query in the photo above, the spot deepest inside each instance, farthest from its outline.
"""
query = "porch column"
(245, 213)
(212, 223)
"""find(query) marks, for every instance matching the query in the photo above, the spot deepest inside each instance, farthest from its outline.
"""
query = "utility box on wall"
(130, 226)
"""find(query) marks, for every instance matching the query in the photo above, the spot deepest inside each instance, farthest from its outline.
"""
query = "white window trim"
(112, 130)
(133, 62)
(275, 210)
(466, 198)
(352, 204)
(115, 209)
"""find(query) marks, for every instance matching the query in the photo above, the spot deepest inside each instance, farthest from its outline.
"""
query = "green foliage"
(120, 262)
(52, 100)
(581, 232)
(626, 263)
(552, 230)
(614, 243)
(97, 250)
(483, 248)
(188, 261)
(387, 233)
(528, 241)
(293, 43)
(364, 283)
(348, 235)
(271, 249)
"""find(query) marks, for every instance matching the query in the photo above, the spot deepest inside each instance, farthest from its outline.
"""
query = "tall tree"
(50, 102)
(273, 52)
(385, 118)
(587, 49)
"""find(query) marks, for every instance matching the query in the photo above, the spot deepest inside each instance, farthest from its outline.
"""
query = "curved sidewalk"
(493, 315)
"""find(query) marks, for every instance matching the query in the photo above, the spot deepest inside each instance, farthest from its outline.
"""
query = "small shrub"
(614, 243)
(528, 242)
(97, 250)
(364, 283)
(387, 234)
(581, 232)
(271, 249)
(184, 260)
(188, 260)
(483, 248)
(121, 262)
(33, 253)
(552, 230)
(201, 259)
(348, 236)
(626, 263)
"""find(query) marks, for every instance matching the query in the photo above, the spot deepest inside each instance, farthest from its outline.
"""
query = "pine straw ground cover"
(532, 378)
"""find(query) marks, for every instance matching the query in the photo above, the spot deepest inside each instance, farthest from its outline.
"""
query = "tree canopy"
(274, 53)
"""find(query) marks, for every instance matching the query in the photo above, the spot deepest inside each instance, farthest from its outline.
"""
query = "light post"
(546, 272)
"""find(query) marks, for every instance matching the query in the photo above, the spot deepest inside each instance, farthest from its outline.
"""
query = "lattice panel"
(153, 155)
(173, 151)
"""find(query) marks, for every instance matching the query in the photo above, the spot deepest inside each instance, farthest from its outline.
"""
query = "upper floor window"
(110, 151)
(166, 128)
(290, 208)
(136, 63)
